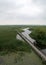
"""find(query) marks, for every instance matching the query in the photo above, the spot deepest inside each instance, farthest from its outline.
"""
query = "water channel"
(26, 33)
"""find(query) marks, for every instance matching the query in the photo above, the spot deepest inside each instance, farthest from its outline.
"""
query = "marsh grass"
(8, 41)
(13, 51)
(39, 34)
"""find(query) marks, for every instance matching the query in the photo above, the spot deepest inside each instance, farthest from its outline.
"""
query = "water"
(18, 37)
(26, 34)
(44, 51)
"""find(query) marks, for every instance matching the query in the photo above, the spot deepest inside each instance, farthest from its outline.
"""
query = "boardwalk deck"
(40, 54)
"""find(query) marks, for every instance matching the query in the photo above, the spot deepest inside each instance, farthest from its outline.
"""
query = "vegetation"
(20, 58)
(8, 41)
(39, 34)
(18, 49)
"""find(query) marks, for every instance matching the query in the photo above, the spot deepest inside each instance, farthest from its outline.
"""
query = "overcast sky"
(22, 12)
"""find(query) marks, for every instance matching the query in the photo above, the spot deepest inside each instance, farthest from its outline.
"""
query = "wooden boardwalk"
(39, 53)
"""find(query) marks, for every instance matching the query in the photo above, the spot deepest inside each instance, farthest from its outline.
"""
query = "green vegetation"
(13, 51)
(20, 58)
(39, 34)
(8, 41)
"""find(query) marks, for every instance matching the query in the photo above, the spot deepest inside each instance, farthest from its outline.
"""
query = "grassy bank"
(39, 34)
(20, 58)
(8, 41)
(13, 51)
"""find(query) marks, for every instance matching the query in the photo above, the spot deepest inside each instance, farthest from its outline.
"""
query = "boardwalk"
(43, 57)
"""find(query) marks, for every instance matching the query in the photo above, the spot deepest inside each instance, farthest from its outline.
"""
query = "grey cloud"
(6, 5)
(40, 1)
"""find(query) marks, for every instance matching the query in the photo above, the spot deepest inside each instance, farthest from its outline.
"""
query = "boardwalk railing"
(39, 53)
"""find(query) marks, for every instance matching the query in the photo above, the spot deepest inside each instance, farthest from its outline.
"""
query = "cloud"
(22, 10)
(29, 8)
